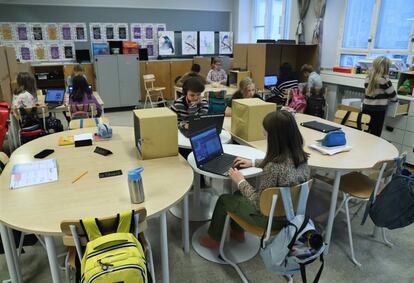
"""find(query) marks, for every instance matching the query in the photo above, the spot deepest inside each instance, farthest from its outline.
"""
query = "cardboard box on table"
(4, 69)
(5, 90)
(12, 63)
(24, 67)
(156, 132)
(247, 118)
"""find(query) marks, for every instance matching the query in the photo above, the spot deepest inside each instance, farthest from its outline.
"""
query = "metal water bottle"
(136, 188)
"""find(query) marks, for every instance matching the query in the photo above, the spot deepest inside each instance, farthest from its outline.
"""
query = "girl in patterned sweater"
(285, 164)
(25, 94)
(378, 93)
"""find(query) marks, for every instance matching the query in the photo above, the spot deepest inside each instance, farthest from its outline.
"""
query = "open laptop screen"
(270, 80)
(206, 145)
(55, 95)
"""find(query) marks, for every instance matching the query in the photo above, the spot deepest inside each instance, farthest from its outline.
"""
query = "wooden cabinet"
(179, 68)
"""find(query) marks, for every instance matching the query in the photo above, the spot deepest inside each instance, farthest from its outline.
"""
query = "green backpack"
(116, 257)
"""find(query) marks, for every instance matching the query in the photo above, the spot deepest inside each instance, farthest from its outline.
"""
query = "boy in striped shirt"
(191, 103)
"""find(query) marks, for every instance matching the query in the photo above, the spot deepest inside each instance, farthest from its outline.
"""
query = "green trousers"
(236, 203)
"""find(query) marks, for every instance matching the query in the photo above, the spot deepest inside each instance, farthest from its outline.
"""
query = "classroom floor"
(379, 262)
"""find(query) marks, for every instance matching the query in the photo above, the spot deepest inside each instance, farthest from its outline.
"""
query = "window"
(394, 24)
(357, 23)
(373, 28)
(269, 19)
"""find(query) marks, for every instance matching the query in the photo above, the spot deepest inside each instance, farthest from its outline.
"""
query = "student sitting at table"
(285, 164)
(25, 94)
(77, 70)
(246, 89)
(216, 74)
(194, 72)
(191, 103)
(286, 80)
(81, 97)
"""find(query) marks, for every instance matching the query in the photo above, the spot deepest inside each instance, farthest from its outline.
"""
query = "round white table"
(40, 209)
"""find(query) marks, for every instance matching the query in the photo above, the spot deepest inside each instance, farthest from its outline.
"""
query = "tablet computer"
(318, 126)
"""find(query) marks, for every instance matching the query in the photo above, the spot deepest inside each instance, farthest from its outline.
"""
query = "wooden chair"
(88, 113)
(87, 123)
(152, 90)
(41, 111)
(296, 196)
(75, 238)
(356, 185)
(216, 102)
(352, 117)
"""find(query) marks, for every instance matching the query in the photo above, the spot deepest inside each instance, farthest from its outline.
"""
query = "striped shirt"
(286, 85)
(383, 94)
(219, 76)
(184, 110)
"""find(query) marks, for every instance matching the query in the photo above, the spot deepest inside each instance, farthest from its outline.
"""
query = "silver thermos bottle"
(136, 188)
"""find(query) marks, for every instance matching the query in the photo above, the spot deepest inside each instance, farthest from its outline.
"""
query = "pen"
(80, 176)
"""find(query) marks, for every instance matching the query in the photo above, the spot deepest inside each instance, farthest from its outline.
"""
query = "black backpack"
(53, 125)
(394, 206)
(316, 105)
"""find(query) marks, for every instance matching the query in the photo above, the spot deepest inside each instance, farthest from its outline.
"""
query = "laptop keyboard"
(221, 164)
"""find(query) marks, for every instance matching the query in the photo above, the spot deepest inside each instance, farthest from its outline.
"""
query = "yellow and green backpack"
(116, 257)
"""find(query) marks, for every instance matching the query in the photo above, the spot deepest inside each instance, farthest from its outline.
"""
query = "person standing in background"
(313, 79)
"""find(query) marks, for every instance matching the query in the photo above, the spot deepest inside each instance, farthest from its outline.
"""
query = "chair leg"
(19, 250)
(384, 238)
(146, 98)
(358, 210)
(221, 253)
(150, 260)
(341, 205)
(289, 278)
(351, 244)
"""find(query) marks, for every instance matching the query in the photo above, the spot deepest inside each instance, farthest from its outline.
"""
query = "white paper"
(68, 51)
(22, 31)
(206, 42)
(79, 32)
(166, 43)
(226, 42)
(137, 31)
(330, 150)
(7, 32)
(110, 31)
(40, 52)
(25, 52)
(52, 31)
(84, 136)
(150, 45)
(54, 51)
(65, 32)
(37, 172)
(96, 32)
(37, 31)
(148, 31)
(160, 27)
(189, 42)
(122, 31)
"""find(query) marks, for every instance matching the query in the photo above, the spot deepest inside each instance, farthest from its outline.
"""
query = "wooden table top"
(41, 208)
(366, 149)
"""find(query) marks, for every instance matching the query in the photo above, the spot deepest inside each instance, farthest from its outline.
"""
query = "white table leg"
(51, 254)
(164, 248)
(332, 209)
(186, 225)
(14, 254)
(8, 252)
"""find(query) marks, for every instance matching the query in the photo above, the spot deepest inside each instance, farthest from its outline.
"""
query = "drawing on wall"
(226, 42)
(189, 42)
(149, 31)
(65, 31)
(166, 43)
(160, 27)
(40, 52)
(52, 31)
(7, 32)
(150, 47)
(24, 52)
(22, 31)
(206, 42)
(37, 31)
(54, 51)
(136, 31)
(109, 31)
(68, 51)
(79, 32)
(96, 32)
(122, 30)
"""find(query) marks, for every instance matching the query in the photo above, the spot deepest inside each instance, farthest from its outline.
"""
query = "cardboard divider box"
(247, 117)
(24, 67)
(156, 132)
(12, 62)
(5, 90)
(4, 69)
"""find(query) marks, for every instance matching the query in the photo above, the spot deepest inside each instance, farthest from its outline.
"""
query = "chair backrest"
(82, 111)
(292, 197)
(352, 117)
(41, 111)
(107, 225)
(149, 80)
(87, 123)
(4, 159)
(216, 102)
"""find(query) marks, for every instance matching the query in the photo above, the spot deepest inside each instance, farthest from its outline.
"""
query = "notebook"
(34, 173)
(321, 127)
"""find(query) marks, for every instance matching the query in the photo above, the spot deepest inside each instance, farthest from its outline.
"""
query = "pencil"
(80, 176)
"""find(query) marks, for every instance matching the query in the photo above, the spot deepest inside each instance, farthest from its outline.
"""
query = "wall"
(242, 21)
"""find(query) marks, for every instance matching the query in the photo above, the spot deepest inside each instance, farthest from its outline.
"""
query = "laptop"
(321, 127)
(270, 81)
(54, 97)
(70, 88)
(208, 152)
(197, 123)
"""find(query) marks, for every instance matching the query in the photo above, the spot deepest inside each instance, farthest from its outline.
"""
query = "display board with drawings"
(37, 42)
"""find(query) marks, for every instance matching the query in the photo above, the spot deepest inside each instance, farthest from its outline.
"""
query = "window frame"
(267, 20)
(371, 40)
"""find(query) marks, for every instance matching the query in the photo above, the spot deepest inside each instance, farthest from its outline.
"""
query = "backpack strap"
(91, 228)
(318, 275)
(125, 223)
(298, 231)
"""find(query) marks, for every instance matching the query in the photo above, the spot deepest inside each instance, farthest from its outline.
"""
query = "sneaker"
(238, 236)
(208, 242)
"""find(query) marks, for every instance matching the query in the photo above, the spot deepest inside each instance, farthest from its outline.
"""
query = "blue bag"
(104, 131)
(335, 138)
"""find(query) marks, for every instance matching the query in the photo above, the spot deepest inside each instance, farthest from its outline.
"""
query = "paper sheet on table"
(34, 173)
(85, 136)
(330, 150)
